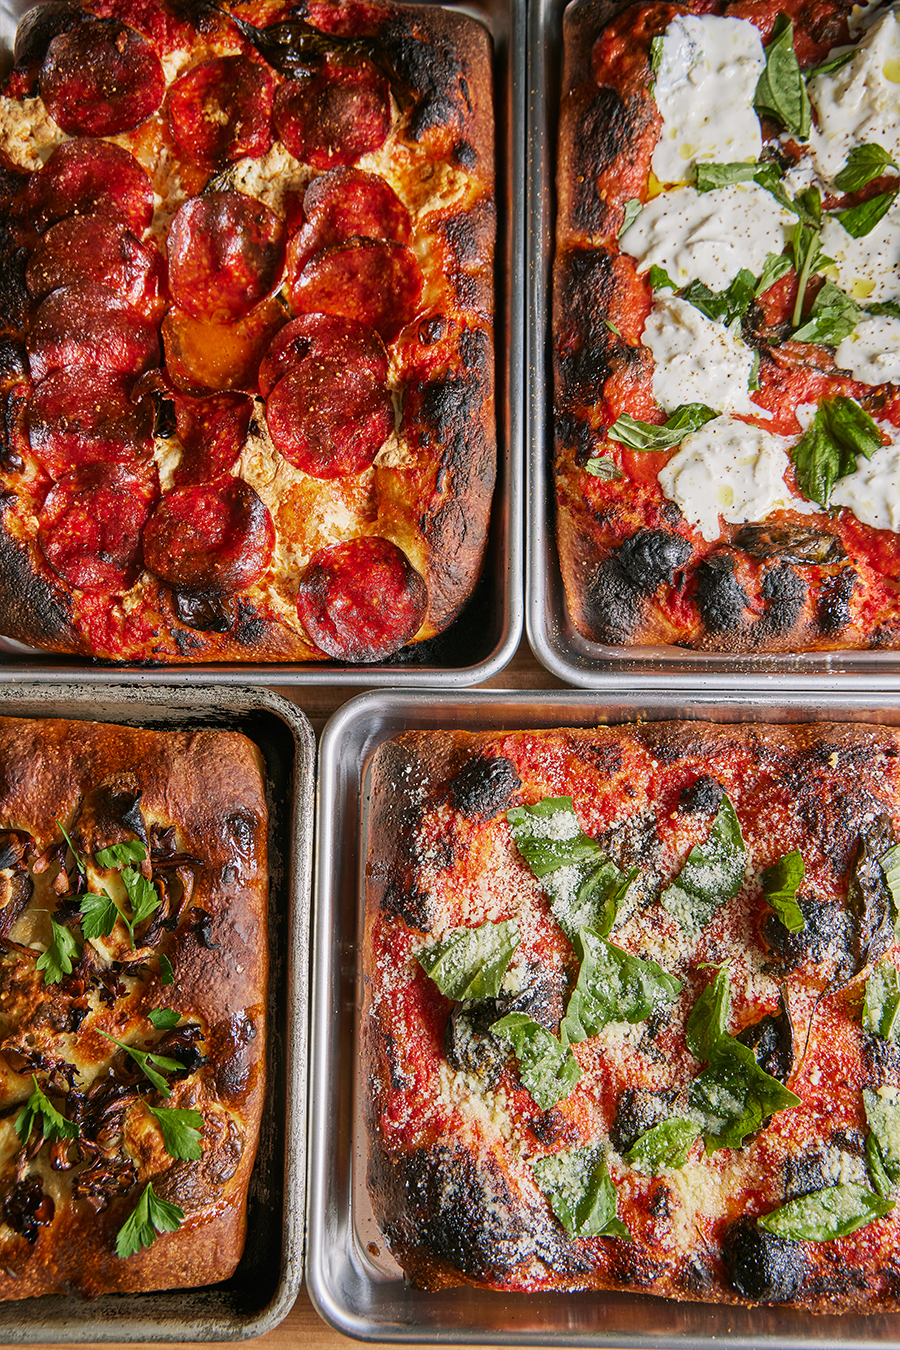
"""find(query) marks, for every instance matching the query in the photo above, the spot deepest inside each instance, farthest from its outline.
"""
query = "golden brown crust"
(454, 1131)
(200, 799)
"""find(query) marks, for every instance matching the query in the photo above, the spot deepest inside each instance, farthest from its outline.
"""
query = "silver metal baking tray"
(554, 639)
(351, 1278)
(484, 637)
(267, 1280)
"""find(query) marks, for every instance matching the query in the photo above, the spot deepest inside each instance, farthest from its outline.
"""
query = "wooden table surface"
(303, 1326)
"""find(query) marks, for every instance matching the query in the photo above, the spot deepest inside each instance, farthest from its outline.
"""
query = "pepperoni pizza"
(245, 328)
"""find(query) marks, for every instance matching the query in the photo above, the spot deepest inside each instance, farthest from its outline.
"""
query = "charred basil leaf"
(733, 1096)
(469, 963)
(613, 986)
(150, 1217)
(864, 163)
(601, 466)
(830, 1213)
(664, 1145)
(547, 1068)
(779, 883)
(827, 451)
(639, 435)
(713, 872)
(547, 835)
(861, 220)
(781, 90)
(881, 1005)
(708, 1018)
(53, 1123)
(580, 1191)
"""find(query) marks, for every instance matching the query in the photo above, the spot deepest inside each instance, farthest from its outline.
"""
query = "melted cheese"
(28, 134)
(697, 360)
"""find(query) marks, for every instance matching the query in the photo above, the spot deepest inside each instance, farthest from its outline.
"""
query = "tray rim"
(25, 698)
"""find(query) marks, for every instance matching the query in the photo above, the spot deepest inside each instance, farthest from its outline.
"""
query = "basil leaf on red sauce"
(881, 1003)
(548, 836)
(580, 1191)
(601, 466)
(878, 1173)
(591, 899)
(708, 1019)
(889, 862)
(713, 872)
(613, 986)
(832, 317)
(781, 90)
(633, 208)
(775, 267)
(733, 1096)
(864, 163)
(470, 963)
(547, 1067)
(808, 260)
(827, 1214)
(827, 451)
(779, 883)
(664, 1145)
(861, 220)
(639, 435)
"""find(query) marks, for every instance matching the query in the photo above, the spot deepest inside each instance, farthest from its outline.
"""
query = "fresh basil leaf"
(768, 176)
(888, 307)
(580, 1191)
(808, 259)
(53, 1124)
(647, 436)
(708, 177)
(881, 1003)
(613, 986)
(547, 835)
(861, 220)
(588, 896)
(142, 894)
(889, 862)
(779, 883)
(180, 1130)
(149, 1218)
(633, 208)
(601, 466)
(864, 163)
(664, 1145)
(827, 450)
(145, 1060)
(880, 1177)
(775, 267)
(807, 206)
(164, 1018)
(708, 1018)
(656, 46)
(781, 90)
(612, 327)
(60, 956)
(166, 973)
(79, 861)
(753, 378)
(832, 64)
(470, 963)
(723, 306)
(98, 915)
(660, 279)
(713, 872)
(119, 855)
(833, 317)
(733, 1095)
(547, 1068)
(883, 1118)
(830, 1213)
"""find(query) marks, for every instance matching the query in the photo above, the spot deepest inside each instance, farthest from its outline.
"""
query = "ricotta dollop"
(859, 102)
(866, 268)
(872, 492)
(697, 360)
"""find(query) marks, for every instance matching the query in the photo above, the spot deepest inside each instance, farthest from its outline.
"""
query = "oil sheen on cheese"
(708, 236)
(697, 360)
(872, 492)
(859, 102)
(730, 469)
(705, 80)
(872, 351)
(866, 268)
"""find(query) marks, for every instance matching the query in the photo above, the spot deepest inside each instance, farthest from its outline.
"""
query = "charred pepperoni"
(221, 110)
(90, 527)
(226, 253)
(210, 537)
(101, 250)
(345, 204)
(89, 325)
(86, 176)
(212, 431)
(321, 337)
(328, 416)
(361, 600)
(339, 114)
(377, 284)
(101, 78)
(82, 416)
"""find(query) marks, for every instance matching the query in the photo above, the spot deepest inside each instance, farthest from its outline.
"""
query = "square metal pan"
(267, 1280)
(554, 639)
(351, 1277)
(485, 636)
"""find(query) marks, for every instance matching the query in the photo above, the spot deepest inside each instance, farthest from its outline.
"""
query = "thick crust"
(428, 491)
(199, 799)
(454, 1132)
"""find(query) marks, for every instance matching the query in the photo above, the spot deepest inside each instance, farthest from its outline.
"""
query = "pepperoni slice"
(221, 111)
(84, 416)
(322, 337)
(361, 600)
(226, 253)
(101, 78)
(212, 431)
(89, 325)
(343, 204)
(85, 176)
(339, 114)
(90, 525)
(329, 417)
(213, 536)
(84, 248)
(378, 284)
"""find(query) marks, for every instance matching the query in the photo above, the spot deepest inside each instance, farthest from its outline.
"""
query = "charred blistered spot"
(475, 353)
(249, 627)
(606, 127)
(638, 1110)
(790, 543)
(431, 72)
(632, 1267)
(404, 900)
(721, 599)
(15, 301)
(573, 433)
(31, 607)
(204, 612)
(660, 1202)
(772, 1041)
(833, 607)
(880, 1059)
(468, 1043)
(465, 155)
(651, 558)
(466, 231)
(484, 787)
(606, 756)
(785, 592)
(803, 1173)
(110, 814)
(761, 1266)
(244, 828)
(694, 1277)
(26, 1208)
(619, 584)
(634, 842)
(587, 284)
(826, 934)
(702, 797)
(13, 360)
